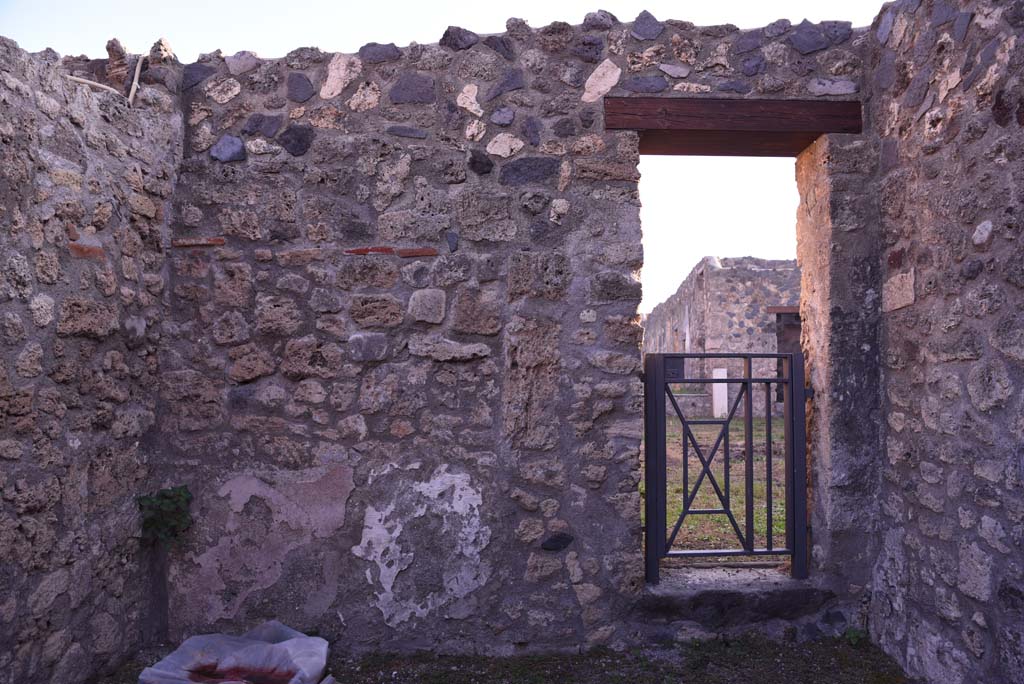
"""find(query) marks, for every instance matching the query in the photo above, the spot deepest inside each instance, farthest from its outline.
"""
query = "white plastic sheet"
(269, 654)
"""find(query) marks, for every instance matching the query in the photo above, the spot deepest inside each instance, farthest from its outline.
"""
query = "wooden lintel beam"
(714, 114)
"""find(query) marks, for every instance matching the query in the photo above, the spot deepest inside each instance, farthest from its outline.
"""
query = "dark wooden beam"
(730, 127)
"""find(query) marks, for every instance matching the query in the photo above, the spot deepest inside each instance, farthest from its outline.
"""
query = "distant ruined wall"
(946, 91)
(724, 304)
(84, 189)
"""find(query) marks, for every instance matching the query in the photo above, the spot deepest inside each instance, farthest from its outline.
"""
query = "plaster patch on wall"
(452, 498)
(302, 506)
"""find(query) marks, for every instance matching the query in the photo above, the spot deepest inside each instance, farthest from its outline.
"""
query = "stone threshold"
(725, 598)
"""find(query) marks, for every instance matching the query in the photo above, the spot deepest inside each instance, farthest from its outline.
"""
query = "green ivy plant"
(165, 514)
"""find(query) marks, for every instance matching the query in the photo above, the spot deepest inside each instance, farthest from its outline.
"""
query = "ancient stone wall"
(401, 261)
(393, 348)
(84, 186)
(948, 596)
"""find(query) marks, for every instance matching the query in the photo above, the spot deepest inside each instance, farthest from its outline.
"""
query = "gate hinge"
(643, 376)
(809, 393)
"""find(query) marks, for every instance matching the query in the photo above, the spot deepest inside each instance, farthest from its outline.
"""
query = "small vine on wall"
(165, 515)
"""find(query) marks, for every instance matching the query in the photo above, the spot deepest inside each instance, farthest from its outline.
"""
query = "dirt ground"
(749, 660)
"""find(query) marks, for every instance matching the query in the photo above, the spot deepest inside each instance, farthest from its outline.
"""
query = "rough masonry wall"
(83, 186)
(946, 95)
(402, 350)
(397, 338)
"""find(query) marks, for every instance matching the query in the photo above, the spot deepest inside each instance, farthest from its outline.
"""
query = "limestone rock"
(467, 100)
(341, 71)
(427, 305)
(504, 145)
(898, 291)
(443, 349)
(603, 79)
(86, 318)
(241, 62)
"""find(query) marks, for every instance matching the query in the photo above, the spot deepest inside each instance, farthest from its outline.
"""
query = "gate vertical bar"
(787, 437)
(654, 468)
(748, 447)
(799, 431)
(768, 463)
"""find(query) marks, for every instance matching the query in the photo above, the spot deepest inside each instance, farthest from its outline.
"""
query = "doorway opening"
(718, 484)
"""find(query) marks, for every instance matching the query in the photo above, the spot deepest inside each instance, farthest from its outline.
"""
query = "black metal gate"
(755, 374)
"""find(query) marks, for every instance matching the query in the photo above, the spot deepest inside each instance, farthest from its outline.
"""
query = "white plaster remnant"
(450, 497)
(467, 99)
(303, 505)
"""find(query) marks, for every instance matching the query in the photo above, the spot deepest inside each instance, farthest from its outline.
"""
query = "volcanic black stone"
(916, 91)
(599, 21)
(564, 128)
(589, 49)
(1014, 14)
(587, 118)
(749, 40)
(531, 130)
(646, 27)
(753, 65)
(808, 38)
(885, 72)
(266, 125)
(229, 148)
(557, 541)
(299, 87)
(777, 28)
(885, 27)
(960, 26)
(407, 132)
(296, 139)
(377, 53)
(502, 45)
(480, 163)
(942, 13)
(1002, 109)
(456, 38)
(645, 84)
(512, 80)
(528, 170)
(837, 32)
(413, 88)
(195, 74)
(453, 240)
(503, 116)
(734, 86)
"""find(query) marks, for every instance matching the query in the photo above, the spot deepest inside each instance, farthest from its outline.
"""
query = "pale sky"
(692, 206)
